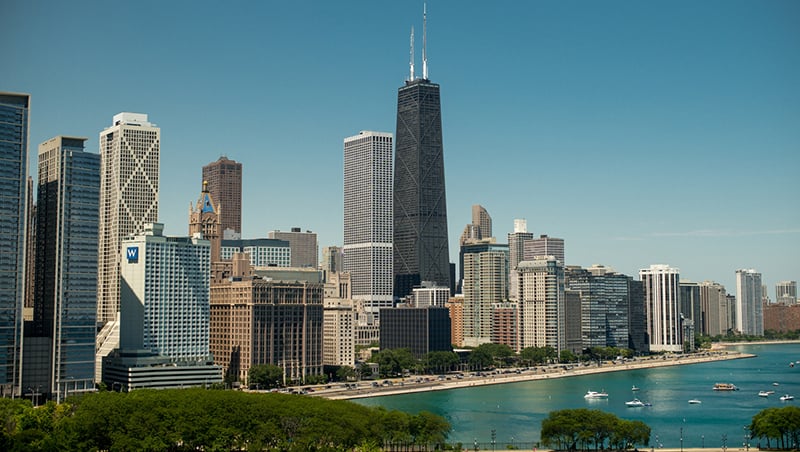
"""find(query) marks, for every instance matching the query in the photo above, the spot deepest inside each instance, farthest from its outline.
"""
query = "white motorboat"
(694, 401)
(786, 397)
(634, 403)
(634, 388)
(596, 395)
(763, 393)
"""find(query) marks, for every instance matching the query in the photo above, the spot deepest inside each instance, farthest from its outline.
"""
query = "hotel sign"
(132, 253)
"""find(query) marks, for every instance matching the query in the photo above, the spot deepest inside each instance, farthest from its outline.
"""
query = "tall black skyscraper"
(420, 208)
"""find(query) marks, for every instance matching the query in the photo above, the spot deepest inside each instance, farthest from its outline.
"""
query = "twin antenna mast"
(424, 44)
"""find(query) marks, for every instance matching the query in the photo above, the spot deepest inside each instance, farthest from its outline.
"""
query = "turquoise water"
(516, 410)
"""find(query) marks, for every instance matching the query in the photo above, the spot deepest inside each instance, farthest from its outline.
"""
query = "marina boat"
(636, 403)
(634, 388)
(725, 387)
(786, 397)
(596, 395)
(694, 401)
(763, 393)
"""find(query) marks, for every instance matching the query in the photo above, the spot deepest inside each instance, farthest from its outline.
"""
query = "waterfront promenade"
(424, 383)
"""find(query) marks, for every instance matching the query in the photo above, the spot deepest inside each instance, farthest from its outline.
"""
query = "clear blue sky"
(640, 132)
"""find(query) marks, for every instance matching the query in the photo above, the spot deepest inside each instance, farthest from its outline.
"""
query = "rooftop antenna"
(424, 33)
(411, 56)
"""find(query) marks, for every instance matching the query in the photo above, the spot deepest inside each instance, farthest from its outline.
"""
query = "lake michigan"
(514, 411)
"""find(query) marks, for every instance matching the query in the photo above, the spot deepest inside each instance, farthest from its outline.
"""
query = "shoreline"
(416, 384)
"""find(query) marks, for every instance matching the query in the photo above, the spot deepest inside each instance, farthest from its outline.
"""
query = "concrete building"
(129, 151)
(430, 295)
(332, 259)
(368, 219)
(485, 283)
(204, 222)
(305, 250)
(421, 330)
(662, 307)
(638, 340)
(504, 324)
(65, 298)
(749, 305)
(544, 246)
(690, 310)
(786, 292)
(715, 310)
(782, 318)
(262, 252)
(516, 253)
(14, 128)
(272, 318)
(573, 335)
(224, 179)
(540, 295)
(338, 347)
(480, 228)
(456, 307)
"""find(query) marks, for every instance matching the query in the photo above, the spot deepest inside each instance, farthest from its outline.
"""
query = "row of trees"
(197, 419)
(393, 362)
(583, 428)
(779, 424)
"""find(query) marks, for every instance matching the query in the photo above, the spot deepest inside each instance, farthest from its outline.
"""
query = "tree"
(438, 362)
(568, 429)
(567, 356)
(345, 373)
(480, 358)
(392, 362)
(265, 376)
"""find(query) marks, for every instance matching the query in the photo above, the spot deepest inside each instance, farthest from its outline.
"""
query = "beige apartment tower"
(129, 152)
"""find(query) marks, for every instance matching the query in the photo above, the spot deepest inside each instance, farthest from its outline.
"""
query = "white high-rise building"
(749, 311)
(368, 218)
(485, 283)
(129, 152)
(516, 252)
(662, 307)
(541, 298)
(165, 294)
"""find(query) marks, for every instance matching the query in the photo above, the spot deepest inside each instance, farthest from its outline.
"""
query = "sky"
(659, 132)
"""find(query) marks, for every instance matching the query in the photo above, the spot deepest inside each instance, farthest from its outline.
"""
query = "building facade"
(715, 310)
(480, 228)
(65, 298)
(368, 220)
(504, 324)
(662, 307)
(339, 320)
(604, 305)
(421, 330)
(274, 319)
(332, 259)
(165, 295)
(541, 303)
(224, 179)
(690, 309)
(262, 252)
(129, 172)
(485, 283)
(516, 253)
(204, 222)
(304, 247)
(421, 250)
(429, 295)
(456, 307)
(786, 292)
(14, 127)
(544, 246)
(749, 308)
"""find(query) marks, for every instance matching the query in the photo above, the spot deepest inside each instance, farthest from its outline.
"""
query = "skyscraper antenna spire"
(424, 38)
(411, 56)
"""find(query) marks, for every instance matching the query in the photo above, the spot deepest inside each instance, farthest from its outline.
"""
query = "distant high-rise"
(332, 259)
(605, 303)
(749, 309)
(661, 291)
(224, 179)
(480, 228)
(516, 253)
(714, 308)
(544, 246)
(368, 218)
(129, 180)
(304, 246)
(420, 207)
(65, 301)
(14, 126)
(786, 292)
(204, 222)
(541, 299)
(485, 283)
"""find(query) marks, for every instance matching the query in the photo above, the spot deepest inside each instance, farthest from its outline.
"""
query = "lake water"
(515, 410)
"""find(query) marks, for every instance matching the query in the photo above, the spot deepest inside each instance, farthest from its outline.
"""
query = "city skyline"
(639, 133)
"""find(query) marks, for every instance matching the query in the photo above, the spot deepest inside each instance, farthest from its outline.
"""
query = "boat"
(725, 387)
(775, 384)
(634, 388)
(596, 395)
(786, 397)
(763, 393)
(635, 403)
(694, 401)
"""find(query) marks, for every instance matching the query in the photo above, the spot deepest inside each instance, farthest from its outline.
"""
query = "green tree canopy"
(265, 376)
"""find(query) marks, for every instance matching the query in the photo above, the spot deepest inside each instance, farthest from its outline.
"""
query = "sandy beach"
(423, 383)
